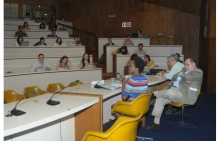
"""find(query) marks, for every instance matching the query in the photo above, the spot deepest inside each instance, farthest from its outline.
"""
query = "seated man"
(53, 34)
(140, 50)
(20, 32)
(77, 40)
(40, 65)
(137, 84)
(41, 42)
(172, 62)
(183, 88)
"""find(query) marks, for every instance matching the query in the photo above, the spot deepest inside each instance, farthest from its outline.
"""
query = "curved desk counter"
(18, 81)
(43, 122)
(109, 97)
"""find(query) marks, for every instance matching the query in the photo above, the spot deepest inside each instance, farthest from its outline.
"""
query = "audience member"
(110, 43)
(77, 40)
(41, 65)
(25, 26)
(122, 50)
(42, 26)
(140, 50)
(129, 61)
(37, 20)
(148, 62)
(53, 34)
(178, 55)
(41, 42)
(64, 64)
(139, 34)
(182, 88)
(20, 32)
(174, 65)
(135, 85)
(18, 42)
(27, 15)
(59, 43)
(128, 41)
(85, 62)
(52, 23)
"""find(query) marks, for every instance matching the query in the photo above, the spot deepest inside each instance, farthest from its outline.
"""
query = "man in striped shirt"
(137, 84)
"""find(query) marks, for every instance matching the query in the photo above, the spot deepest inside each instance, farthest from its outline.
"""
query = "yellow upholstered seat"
(53, 87)
(133, 108)
(11, 96)
(182, 123)
(124, 129)
(75, 83)
(32, 91)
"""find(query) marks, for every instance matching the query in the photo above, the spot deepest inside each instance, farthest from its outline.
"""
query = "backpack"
(102, 59)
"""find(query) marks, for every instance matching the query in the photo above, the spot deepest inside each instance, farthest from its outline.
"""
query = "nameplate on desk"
(111, 86)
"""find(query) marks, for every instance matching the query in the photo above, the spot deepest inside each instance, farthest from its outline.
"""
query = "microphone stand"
(15, 111)
(53, 102)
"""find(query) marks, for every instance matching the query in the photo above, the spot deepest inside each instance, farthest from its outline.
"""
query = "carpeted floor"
(203, 115)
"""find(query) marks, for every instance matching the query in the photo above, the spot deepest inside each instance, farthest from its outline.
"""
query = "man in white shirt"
(174, 64)
(40, 65)
(140, 50)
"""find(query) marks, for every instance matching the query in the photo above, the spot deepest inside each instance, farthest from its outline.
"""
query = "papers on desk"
(111, 86)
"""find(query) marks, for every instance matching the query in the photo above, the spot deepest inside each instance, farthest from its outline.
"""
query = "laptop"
(88, 66)
(71, 43)
(25, 43)
(134, 35)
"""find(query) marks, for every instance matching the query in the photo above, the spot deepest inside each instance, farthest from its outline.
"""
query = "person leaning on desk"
(122, 50)
(135, 85)
(174, 64)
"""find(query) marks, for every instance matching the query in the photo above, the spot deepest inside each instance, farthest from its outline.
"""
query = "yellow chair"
(75, 83)
(12, 96)
(53, 87)
(133, 108)
(182, 123)
(32, 91)
(124, 129)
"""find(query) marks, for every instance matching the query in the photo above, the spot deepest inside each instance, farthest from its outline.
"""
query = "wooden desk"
(109, 97)
(43, 122)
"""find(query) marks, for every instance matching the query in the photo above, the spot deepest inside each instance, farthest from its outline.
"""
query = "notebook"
(25, 43)
(71, 43)
(111, 86)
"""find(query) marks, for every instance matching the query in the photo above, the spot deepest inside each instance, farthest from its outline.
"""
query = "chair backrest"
(12, 96)
(139, 105)
(53, 87)
(124, 129)
(76, 83)
(32, 91)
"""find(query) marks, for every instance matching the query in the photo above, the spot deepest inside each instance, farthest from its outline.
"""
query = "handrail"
(76, 29)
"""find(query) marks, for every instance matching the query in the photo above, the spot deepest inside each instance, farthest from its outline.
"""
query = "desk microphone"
(97, 86)
(16, 112)
(52, 102)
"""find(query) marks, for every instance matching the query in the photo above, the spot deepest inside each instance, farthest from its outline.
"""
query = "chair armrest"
(94, 135)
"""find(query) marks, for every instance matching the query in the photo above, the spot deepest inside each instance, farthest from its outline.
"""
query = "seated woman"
(42, 26)
(139, 34)
(129, 61)
(148, 62)
(41, 42)
(85, 62)
(18, 42)
(64, 64)
(110, 43)
(25, 26)
(59, 43)
(122, 50)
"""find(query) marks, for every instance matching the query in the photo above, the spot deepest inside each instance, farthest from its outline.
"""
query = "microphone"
(97, 86)
(16, 112)
(52, 102)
